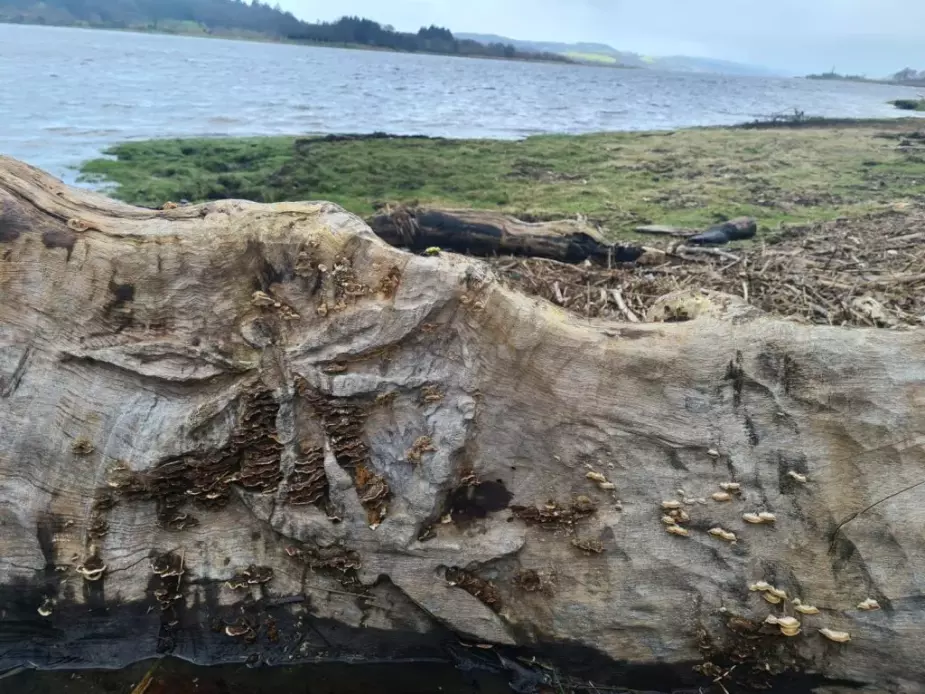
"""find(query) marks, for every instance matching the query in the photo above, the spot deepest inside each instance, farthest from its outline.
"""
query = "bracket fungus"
(723, 534)
(836, 636)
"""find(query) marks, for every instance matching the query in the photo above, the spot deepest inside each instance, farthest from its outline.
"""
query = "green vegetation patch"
(600, 58)
(910, 104)
(618, 180)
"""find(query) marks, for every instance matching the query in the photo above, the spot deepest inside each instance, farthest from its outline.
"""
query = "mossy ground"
(617, 180)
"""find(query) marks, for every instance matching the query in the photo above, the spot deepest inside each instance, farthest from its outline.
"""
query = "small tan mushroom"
(837, 636)
(45, 609)
(805, 609)
(607, 486)
(771, 619)
(802, 479)
(782, 594)
(596, 476)
(713, 453)
(789, 626)
(722, 534)
(730, 487)
(767, 517)
(262, 299)
(759, 586)
(91, 574)
(670, 505)
(236, 630)
(668, 520)
(771, 598)
(722, 496)
(678, 530)
(680, 515)
(869, 605)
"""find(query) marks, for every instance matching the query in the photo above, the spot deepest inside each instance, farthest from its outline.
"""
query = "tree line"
(240, 17)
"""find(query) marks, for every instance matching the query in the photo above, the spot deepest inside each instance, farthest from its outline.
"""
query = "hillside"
(238, 18)
(602, 53)
(589, 52)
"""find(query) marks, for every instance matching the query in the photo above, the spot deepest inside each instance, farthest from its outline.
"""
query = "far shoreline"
(257, 38)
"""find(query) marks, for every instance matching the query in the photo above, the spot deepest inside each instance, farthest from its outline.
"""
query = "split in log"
(239, 431)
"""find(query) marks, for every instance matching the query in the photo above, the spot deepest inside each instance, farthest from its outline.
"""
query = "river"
(67, 94)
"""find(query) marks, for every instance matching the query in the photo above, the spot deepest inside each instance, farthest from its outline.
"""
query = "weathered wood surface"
(484, 233)
(242, 431)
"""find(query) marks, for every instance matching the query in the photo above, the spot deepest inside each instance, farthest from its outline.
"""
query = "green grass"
(618, 180)
(601, 58)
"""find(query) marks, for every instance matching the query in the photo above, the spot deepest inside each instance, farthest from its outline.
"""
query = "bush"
(910, 104)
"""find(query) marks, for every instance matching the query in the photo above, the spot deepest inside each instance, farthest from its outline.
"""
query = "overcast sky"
(873, 37)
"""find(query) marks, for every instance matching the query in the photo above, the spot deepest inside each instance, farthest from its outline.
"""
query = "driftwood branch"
(483, 233)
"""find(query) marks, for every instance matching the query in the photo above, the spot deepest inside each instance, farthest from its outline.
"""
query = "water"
(66, 94)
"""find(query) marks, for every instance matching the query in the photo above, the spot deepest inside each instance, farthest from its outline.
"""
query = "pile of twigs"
(862, 272)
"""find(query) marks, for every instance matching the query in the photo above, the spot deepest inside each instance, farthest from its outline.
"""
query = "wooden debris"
(829, 273)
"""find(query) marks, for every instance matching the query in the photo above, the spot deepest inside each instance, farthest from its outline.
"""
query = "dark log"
(484, 233)
(738, 229)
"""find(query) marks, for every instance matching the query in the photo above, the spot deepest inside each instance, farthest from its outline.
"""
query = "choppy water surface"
(66, 94)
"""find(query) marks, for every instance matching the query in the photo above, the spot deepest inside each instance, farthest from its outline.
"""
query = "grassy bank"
(618, 180)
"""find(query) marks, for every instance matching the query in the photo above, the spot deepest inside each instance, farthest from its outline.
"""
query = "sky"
(870, 37)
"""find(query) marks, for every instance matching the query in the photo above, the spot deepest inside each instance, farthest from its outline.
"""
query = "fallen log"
(483, 233)
(256, 433)
(739, 229)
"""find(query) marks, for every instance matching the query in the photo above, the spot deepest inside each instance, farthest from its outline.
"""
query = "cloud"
(875, 37)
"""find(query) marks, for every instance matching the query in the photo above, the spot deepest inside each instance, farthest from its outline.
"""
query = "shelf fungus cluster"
(789, 626)
(802, 608)
(763, 518)
(602, 482)
(47, 607)
(729, 490)
(92, 569)
(771, 594)
(675, 517)
(251, 576)
(836, 636)
(723, 534)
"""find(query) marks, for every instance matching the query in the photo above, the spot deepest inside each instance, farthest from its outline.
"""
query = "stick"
(558, 292)
(621, 304)
(708, 251)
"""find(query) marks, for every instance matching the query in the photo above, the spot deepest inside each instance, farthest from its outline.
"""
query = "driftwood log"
(483, 233)
(242, 432)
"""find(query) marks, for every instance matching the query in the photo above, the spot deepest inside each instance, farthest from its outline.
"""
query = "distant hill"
(600, 53)
(589, 50)
(250, 20)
